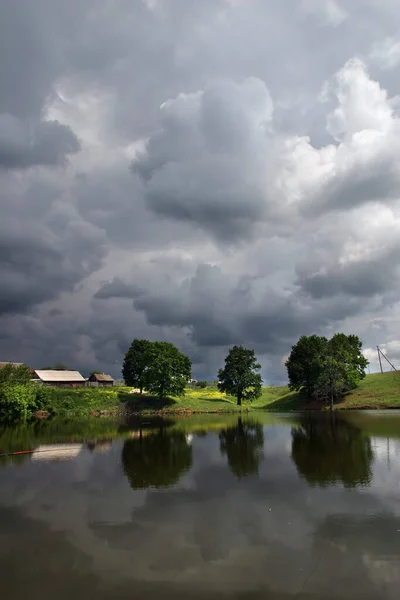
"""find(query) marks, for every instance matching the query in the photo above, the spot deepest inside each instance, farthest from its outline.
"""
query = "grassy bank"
(377, 391)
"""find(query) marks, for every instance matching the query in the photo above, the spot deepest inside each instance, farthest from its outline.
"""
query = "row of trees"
(160, 368)
(323, 369)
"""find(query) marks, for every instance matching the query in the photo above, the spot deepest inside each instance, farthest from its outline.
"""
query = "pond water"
(263, 506)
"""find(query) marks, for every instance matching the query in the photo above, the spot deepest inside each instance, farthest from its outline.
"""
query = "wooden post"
(379, 356)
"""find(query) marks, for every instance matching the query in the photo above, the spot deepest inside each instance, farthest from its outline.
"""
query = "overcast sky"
(206, 172)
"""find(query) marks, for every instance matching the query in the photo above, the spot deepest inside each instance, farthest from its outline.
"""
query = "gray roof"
(102, 377)
(66, 376)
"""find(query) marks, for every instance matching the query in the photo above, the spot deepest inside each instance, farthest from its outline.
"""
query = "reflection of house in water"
(56, 452)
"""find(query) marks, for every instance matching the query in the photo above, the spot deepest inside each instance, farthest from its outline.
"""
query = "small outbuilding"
(101, 379)
(60, 378)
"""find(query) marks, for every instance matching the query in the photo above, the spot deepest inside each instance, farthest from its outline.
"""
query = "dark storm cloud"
(361, 279)
(218, 310)
(117, 288)
(33, 271)
(29, 65)
(46, 143)
(45, 248)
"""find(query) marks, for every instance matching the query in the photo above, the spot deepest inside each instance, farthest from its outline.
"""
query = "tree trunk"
(331, 397)
(141, 389)
(239, 399)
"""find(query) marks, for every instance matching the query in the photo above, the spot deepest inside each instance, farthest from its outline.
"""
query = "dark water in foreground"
(270, 506)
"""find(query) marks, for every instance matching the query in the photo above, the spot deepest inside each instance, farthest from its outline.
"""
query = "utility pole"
(387, 360)
(379, 356)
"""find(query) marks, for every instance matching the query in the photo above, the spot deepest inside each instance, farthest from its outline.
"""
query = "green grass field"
(376, 391)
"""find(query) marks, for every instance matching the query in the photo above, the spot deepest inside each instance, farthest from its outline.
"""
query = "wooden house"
(101, 379)
(60, 378)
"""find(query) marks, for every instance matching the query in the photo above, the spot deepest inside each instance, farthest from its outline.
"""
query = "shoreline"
(182, 412)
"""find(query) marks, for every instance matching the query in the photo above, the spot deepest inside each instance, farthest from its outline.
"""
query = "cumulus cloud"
(207, 163)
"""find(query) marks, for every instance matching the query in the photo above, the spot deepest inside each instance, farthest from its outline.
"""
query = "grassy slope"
(380, 390)
(211, 400)
(375, 391)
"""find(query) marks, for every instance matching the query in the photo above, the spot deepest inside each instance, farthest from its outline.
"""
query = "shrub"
(16, 401)
(201, 384)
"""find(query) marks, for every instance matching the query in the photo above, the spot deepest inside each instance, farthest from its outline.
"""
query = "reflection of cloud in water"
(218, 535)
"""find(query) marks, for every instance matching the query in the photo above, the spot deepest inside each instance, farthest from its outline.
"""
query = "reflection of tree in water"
(156, 459)
(102, 445)
(329, 450)
(243, 445)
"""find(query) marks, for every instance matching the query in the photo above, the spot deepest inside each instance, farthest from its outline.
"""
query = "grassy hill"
(381, 390)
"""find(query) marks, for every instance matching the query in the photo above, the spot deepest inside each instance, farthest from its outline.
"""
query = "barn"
(60, 378)
(101, 379)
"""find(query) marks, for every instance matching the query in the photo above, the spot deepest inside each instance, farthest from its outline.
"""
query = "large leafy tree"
(326, 369)
(168, 371)
(136, 363)
(239, 378)
(304, 362)
(343, 367)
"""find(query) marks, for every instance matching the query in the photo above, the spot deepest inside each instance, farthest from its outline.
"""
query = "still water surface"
(264, 506)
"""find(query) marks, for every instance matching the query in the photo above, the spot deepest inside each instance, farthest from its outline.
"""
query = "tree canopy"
(136, 363)
(17, 393)
(168, 371)
(326, 369)
(158, 367)
(239, 378)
